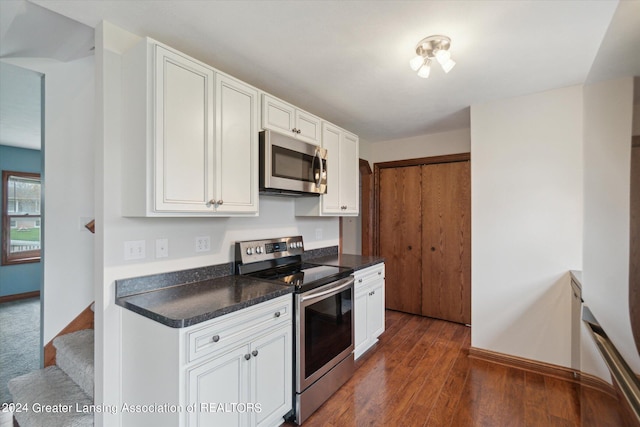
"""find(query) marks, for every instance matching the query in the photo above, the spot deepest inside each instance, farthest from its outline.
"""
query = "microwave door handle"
(321, 169)
(316, 155)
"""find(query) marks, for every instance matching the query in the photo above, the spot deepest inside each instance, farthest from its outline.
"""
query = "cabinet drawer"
(221, 334)
(366, 275)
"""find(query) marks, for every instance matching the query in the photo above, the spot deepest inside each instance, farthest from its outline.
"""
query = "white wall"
(436, 144)
(68, 188)
(608, 112)
(276, 219)
(526, 210)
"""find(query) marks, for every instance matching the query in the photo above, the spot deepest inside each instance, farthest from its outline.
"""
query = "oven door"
(288, 165)
(324, 330)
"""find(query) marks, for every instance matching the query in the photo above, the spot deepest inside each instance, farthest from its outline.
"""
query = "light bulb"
(425, 69)
(442, 56)
(416, 63)
(448, 66)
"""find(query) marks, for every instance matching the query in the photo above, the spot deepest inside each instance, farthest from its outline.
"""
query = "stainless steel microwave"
(289, 166)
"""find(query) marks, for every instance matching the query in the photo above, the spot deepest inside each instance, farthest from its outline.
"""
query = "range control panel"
(260, 250)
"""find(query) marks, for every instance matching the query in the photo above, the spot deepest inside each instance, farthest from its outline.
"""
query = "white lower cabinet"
(234, 370)
(257, 384)
(369, 307)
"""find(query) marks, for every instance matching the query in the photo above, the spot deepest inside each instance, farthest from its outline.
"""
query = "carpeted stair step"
(52, 399)
(74, 355)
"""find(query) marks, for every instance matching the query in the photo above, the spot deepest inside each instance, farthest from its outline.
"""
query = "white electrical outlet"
(203, 244)
(318, 233)
(162, 248)
(134, 249)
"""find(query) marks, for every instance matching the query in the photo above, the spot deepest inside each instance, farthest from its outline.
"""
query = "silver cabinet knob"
(247, 356)
(255, 353)
(215, 338)
(277, 314)
(359, 280)
(220, 201)
(379, 273)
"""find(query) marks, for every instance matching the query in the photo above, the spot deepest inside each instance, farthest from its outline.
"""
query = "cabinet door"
(271, 376)
(349, 174)
(236, 146)
(184, 133)
(360, 310)
(277, 115)
(331, 141)
(308, 126)
(223, 380)
(375, 309)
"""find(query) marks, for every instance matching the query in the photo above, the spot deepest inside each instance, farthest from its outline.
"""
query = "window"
(21, 219)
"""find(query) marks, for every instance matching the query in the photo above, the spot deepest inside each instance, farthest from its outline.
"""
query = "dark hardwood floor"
(419, 374)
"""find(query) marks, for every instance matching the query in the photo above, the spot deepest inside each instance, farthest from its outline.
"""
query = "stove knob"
(249, 251)
(259, 250)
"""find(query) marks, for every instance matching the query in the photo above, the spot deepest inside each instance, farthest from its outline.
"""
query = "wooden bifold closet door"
(425, 238)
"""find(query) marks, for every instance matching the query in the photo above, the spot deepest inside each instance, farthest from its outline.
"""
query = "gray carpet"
(19, 341)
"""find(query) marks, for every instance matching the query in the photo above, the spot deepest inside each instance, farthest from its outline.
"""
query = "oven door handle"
(338, 287)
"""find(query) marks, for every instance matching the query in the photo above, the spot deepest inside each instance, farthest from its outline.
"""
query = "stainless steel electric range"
(323, 329)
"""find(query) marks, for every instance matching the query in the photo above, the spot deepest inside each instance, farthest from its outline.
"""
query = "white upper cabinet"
(184, 134)
(343, 184)
(285, 118)
(190, 137)
(236, 145)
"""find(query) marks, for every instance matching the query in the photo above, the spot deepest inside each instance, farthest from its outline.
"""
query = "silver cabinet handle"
(359, 280)
(277, 314)
(220, 202)
(247, 356)
(215, 338)
(255, 353)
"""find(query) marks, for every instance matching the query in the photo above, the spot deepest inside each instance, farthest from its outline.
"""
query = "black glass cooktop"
(303, 276)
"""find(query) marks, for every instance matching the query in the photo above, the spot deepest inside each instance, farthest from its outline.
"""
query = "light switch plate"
(162, 248)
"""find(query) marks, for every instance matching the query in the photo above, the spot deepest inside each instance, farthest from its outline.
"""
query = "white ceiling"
(347, 61)
(20, 97)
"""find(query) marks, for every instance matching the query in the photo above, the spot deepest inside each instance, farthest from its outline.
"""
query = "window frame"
(26, 256)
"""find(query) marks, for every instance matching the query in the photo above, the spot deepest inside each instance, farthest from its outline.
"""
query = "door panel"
(446, 241)
(400, 226)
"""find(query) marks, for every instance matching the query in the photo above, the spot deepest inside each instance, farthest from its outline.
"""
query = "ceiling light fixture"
(428, 49)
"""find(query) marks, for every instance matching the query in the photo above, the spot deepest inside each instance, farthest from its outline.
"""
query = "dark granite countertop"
(186, 305)
(357, 262)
